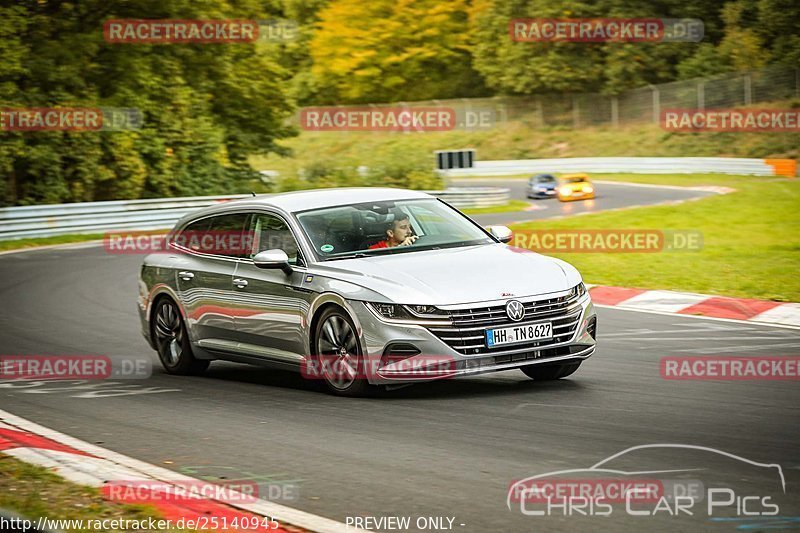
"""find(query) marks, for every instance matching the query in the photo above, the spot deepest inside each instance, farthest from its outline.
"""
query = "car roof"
(292, 202)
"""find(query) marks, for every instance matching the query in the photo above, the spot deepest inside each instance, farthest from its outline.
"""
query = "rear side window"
(228, 233)
(219, 235)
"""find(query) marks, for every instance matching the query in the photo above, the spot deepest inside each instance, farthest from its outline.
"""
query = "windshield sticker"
(327, 248)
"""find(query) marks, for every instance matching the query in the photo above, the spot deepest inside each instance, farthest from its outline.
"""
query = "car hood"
(454, 275)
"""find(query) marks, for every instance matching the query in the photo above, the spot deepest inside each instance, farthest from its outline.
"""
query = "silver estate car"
(317, 281)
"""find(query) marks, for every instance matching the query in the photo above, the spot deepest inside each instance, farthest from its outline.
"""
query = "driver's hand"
(409, 241)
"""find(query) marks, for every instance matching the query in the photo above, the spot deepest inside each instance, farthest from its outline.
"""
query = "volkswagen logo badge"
(515, 310)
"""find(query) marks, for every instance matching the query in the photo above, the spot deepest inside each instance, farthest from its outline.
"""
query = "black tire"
(172, 341)
(550, 372)
(334, 345)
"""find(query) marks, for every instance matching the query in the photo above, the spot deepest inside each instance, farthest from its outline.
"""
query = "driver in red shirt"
(398, 233)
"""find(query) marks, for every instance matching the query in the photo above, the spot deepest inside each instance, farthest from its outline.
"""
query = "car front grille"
(467, 333)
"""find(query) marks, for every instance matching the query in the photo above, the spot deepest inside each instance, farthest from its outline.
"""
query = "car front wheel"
(338, 354)
(550, 372)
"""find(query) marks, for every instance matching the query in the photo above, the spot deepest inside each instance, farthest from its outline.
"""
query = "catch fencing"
(640, 105)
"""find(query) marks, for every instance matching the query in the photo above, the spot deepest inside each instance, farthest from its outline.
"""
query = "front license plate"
(518, 334)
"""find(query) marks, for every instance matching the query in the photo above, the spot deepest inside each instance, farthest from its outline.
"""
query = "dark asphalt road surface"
(609, 196)
(443, 449)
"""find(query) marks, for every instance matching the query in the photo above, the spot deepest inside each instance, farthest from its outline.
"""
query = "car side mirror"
(273, 259)
(501, 233)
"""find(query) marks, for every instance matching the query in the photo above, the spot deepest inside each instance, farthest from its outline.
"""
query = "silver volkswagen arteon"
(360, 287)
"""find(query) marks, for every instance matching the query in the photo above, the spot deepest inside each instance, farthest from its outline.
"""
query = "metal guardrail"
(635, 165)
(161, 213)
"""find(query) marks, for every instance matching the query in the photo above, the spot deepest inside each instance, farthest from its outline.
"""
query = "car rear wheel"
(339, 354)
(172, 341)
(550, 372)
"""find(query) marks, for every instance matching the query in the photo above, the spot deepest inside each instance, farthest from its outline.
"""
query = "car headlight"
(564, 191)
(410, 313)
(577, 291)
(588, 188)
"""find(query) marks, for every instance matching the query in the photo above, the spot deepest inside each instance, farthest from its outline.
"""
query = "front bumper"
(575, 196)
(536, 193)
(438, 360)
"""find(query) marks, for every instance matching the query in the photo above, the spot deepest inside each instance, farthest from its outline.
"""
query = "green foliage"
(389, 172)
(392, 50)
(206, 107)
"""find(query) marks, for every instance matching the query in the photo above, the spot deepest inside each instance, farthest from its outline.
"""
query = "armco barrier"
(634, 165)
(161, 213)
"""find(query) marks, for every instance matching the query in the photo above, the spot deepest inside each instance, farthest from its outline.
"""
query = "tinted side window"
(272, 233)
(220, 235)
(228, 233)
(185, 236)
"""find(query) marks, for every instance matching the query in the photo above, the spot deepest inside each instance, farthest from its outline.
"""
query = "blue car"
(542, 186)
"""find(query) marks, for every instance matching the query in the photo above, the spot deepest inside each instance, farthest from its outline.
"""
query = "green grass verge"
(32, 492)
(510, 207)
(47, 241)
(751, 239)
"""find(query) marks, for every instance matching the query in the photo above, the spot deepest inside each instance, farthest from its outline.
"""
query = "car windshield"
(387, 227)
(574, 179)
(544, 179)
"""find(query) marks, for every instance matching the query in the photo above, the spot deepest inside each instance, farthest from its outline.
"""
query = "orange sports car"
(575, 187)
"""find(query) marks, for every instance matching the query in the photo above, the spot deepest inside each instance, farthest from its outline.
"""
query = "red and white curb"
(86, 464)
(684, 303)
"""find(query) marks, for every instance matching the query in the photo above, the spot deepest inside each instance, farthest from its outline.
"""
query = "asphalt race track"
(450, 448)
(609, 196)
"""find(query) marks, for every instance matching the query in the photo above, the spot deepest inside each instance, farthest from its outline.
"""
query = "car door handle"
(185, 276)
(240, 283)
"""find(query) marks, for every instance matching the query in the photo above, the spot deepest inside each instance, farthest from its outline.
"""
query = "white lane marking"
(666, 301)
(72, 245)
(79, 469)
(673, 187)
(694, 328)
(739, 348)
(701, 317)
(517, 408)
(80, 388)
(783, 314)
(277, 511)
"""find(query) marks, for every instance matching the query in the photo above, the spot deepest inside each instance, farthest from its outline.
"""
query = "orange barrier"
(783, 167)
